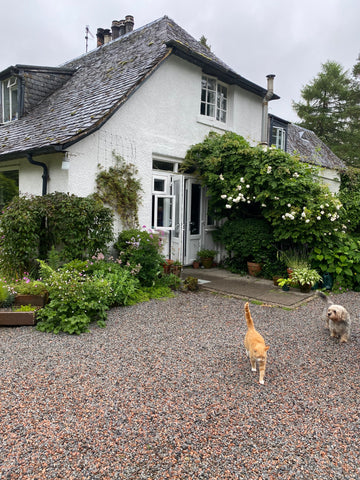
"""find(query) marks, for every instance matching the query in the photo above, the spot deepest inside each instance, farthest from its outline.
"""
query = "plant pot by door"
(254, 268)
(207, 262)
(305, 288)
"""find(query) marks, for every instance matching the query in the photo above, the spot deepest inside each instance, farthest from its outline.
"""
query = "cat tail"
(249, 320)
(324, 297)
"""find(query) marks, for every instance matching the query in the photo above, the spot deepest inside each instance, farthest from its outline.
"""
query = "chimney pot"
(107, 35)
(122, 27)
(115, 28)
(100, 37)
(129, 23)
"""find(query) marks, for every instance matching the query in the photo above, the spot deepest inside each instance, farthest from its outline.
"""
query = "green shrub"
(76, 300)
(247, 239)
(340, 257)
(77, 227)
(140, 249)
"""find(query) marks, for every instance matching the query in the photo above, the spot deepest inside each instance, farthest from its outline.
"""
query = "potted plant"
(167, 265)
(305, 277)
(207, 257)
(176, 268)
(293, 258)
(30, 292)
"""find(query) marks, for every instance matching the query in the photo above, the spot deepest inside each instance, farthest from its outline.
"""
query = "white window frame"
(218, 107)
(163, 179)
(280, 137)
(169, 212)
(7, 87)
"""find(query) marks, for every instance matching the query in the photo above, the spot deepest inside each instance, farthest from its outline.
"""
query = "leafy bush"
(76, 226)
(140, 249)
(245, 181)
(247, 239)
(339, 256)
(76, 300)
(122, 280)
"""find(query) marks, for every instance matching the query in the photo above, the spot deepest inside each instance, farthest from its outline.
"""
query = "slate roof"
(311, 149)
(102, 80)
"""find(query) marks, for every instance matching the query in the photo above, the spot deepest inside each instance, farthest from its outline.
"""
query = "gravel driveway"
(166, 392)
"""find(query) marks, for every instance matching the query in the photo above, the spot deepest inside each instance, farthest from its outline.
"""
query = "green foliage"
(8, 189)
(24, 308)
(294, 258)
(140, 249)
(119, 188)
(305, 276)
(350, 197)
(31, 226)
(341, 258)
(330, 107)
(247, 239)
(75, 300)
(29, 287)
(245, 181)
(122, 280)
(205, 253)
(3, 292)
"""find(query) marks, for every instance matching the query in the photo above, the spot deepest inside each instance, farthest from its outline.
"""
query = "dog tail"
(249, 320)
(322, 295)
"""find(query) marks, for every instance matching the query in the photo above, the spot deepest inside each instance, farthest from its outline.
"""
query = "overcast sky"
(288, 38)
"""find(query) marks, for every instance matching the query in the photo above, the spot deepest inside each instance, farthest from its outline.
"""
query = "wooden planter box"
(9, 318)
(35, 300)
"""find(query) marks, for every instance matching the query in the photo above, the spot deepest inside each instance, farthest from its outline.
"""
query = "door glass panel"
(164, 212)
(195, 209)
(176, 192)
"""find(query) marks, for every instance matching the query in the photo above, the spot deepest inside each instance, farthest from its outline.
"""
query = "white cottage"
(146, 95)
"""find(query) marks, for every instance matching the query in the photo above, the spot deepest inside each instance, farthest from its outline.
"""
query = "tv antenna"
(87, 33)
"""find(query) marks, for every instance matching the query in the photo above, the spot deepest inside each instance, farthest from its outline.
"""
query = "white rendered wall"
(161, 117)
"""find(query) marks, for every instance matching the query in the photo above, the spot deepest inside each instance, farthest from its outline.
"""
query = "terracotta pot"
(207, 262)
(276, 279)
(254, 268)
(305, 288)
(196, 264)
(289, 272)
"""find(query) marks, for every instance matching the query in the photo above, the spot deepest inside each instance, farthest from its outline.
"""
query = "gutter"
(45, 174)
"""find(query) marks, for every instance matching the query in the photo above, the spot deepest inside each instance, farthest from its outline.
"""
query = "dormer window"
(9, 99)
(213, 98)
(278, 137)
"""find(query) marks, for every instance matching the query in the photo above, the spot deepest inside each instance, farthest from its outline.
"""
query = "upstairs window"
(278, 136)
(9, 103)
(213, 99)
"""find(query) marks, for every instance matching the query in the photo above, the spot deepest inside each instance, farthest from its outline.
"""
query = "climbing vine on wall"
(119, 188)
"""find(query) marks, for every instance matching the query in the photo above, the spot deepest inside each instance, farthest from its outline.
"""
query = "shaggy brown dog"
(337, 319)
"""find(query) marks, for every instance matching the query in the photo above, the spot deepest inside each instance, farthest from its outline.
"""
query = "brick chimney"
(118, 29)
(107, 35)
(100, 37)
(115, 29)
(129, 23)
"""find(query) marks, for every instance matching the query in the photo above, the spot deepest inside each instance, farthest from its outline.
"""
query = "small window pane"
(159, 185)
(161, 165)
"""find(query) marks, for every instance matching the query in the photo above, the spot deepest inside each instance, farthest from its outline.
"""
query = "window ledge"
(205, 120)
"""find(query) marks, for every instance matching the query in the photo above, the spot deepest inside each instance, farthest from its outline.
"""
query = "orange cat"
(255, 346)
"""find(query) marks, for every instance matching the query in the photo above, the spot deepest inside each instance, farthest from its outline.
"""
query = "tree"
(330, 108)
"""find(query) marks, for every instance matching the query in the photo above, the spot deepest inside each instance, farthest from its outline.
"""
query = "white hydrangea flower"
(269, 168)
(221, 176)
(223, 196)
(227, 206)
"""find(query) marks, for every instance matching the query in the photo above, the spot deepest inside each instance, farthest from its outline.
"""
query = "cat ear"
(267, 348)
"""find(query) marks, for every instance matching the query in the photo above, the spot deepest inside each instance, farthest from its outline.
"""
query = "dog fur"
(337, 319)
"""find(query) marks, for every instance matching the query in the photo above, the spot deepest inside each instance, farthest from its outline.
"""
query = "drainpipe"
(268, 96)
(45, 172)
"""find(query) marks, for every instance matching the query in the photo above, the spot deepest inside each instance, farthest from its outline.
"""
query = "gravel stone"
(165, 391)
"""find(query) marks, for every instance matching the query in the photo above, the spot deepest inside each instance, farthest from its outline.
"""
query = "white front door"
(186, 237)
